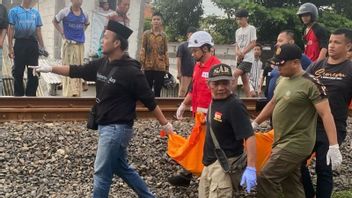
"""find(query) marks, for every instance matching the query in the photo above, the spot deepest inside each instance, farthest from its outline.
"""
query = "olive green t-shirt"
(294, 116)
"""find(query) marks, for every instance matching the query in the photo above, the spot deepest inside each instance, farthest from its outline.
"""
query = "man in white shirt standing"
(246, 37)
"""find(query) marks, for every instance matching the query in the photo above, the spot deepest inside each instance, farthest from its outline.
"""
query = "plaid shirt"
(153, 54)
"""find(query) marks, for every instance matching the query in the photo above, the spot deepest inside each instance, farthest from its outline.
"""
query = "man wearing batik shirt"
(25, 26)
(75, 22)
(335, 73)
(315, 35)
(153, 54)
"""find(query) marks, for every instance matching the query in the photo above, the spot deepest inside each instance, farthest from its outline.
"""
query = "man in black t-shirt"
(229, 120)
(335, 73)
(185, 64)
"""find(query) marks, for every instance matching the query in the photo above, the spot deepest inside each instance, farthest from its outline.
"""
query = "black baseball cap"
(220, 72)
(241, 13)
(119, 29)
(286, 53)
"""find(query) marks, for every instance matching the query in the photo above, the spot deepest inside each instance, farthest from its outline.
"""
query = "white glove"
(180, 110)
(334, 155)
(255, 126)
(168, 128)
(42, 68)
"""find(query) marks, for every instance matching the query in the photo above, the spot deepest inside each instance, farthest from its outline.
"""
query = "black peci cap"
(119, 29)
(286, 53)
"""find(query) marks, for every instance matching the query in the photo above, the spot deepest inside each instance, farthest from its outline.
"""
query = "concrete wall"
(47, 11)
(136, 15)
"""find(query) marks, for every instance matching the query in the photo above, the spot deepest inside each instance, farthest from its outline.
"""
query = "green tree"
(147, 24)
(222, 30)
(178, 15)
(342, 7)
(269, 21)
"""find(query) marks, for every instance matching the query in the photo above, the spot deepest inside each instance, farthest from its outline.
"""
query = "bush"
(269, 22)
(147, 24)
(222, 30)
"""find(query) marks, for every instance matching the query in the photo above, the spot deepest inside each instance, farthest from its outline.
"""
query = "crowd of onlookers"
(22, 25)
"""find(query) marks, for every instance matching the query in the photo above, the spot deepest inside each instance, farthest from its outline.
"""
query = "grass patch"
(342, 194)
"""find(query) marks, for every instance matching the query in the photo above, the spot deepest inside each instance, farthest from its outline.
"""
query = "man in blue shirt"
(285, 36)
(74, 23)
(25, 26)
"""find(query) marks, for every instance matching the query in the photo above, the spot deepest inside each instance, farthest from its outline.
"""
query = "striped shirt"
(255, 74)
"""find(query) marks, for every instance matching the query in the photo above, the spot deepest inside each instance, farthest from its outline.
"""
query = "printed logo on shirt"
(218, 116)
(287, 95)
(76, 26)
(205, 74)
(101, 78)
(242, 38)
(105, 79)
(321, 73)
(112, 81)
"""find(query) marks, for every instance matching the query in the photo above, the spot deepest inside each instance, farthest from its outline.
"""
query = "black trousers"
(324, 173)
(155, 80)
(26, 53)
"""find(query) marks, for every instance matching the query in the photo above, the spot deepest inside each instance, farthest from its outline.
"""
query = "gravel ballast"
(57, 159)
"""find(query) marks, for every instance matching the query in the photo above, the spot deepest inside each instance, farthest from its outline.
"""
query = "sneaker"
(180, 180)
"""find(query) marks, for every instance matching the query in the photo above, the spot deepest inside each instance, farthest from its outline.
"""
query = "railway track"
(76, 109)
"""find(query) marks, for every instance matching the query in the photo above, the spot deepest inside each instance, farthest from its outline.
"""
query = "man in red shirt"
(316, 36)
(199, 96)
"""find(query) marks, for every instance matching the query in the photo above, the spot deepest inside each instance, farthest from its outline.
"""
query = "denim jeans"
(112, 159)
(1, 81)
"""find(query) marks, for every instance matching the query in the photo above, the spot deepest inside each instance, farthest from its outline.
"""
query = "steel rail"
(76, 109)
